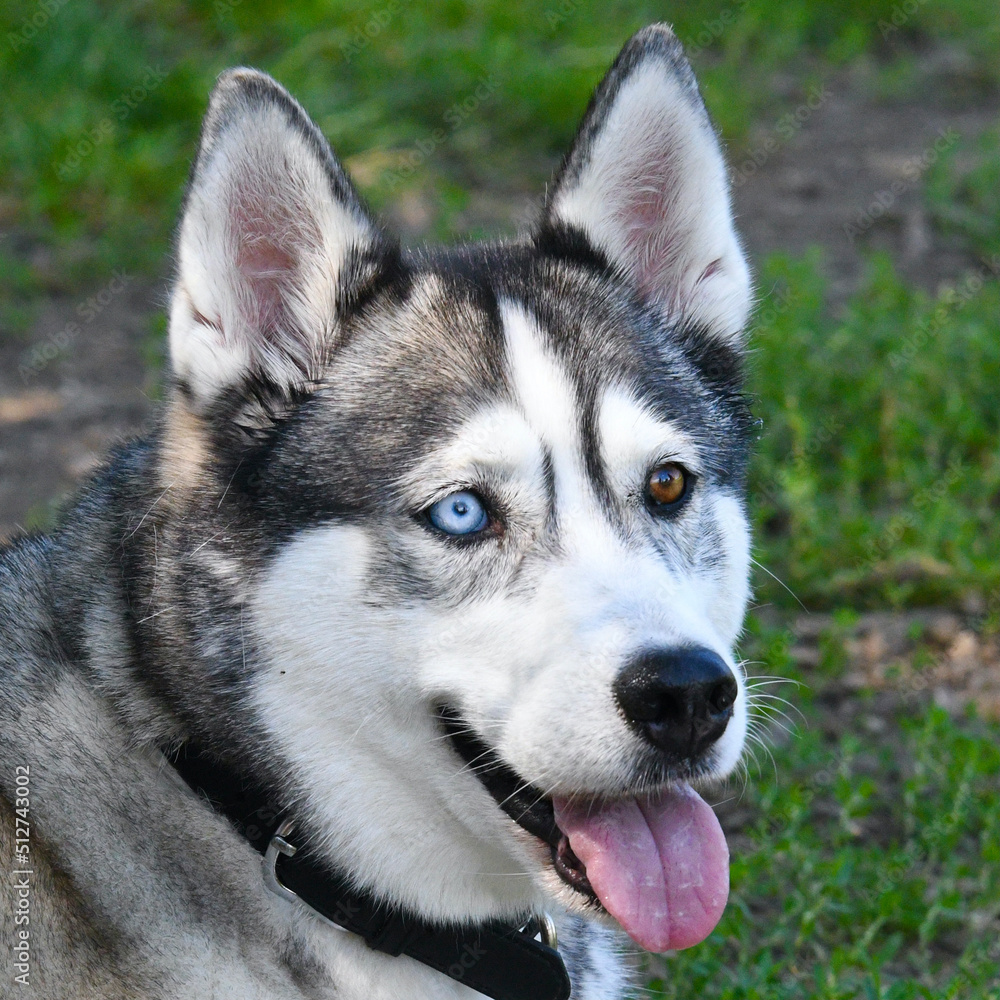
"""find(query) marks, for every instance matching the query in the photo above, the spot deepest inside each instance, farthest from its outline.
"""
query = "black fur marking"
(588, 401)
(369, 275)
(549, 475)
(570, 244)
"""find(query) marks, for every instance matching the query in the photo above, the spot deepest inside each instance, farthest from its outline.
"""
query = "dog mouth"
(658, 863)
(530, 808)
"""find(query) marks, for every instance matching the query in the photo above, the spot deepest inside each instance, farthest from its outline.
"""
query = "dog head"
(479, 511)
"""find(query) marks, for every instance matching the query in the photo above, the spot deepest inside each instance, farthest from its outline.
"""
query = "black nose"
(679, 700)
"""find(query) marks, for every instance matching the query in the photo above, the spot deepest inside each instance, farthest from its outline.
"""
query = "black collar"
(500, 960)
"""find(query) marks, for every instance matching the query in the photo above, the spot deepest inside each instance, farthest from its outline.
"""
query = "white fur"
(606, 598)
(497, 443)
(634, 440)
(351, 683)
(350, 680)
(654, 196)
(345, 698)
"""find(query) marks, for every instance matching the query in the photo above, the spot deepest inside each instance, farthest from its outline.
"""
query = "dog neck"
(499, 960)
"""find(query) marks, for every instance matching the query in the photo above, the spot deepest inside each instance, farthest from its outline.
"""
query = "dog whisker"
(778, 580)
(755, 739)
(763, 680)
(760, 698)
(770, 714)
(155, 614)
(470, 766)
(523, 788)
(767, 702)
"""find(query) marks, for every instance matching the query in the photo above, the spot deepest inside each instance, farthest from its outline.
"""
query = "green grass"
(870, 869)
(100, 120)
(870, 865)
(867, 862)
(877, 477)
(963, 193)
(94, 148)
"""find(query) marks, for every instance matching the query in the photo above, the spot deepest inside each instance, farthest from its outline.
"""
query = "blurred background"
(864, 142)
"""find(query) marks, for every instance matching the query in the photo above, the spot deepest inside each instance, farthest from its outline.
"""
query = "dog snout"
(679, 700)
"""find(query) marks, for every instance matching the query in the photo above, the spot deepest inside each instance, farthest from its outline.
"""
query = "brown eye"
(667, 485)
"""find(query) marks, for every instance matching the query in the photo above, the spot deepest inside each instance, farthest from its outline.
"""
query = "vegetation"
(877, 476)
(102, 100)
(870, 869)
(869, 866)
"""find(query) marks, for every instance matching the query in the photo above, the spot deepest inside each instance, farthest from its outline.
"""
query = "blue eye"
(460, 513)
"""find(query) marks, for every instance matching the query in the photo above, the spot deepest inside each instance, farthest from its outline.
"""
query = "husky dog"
(425, 587)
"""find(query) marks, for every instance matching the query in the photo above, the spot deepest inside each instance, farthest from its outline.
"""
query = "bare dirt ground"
(798, 183)
(57, 422)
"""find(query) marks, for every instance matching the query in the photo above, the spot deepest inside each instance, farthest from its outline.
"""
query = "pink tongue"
(660, 866)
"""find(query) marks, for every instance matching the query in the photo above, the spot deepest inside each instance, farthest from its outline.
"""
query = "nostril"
(723, 696)
(644, 704)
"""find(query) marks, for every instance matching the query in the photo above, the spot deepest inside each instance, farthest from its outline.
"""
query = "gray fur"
(131, 629)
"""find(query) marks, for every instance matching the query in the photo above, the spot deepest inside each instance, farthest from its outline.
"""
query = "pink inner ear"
(262, 259)
(268, 271)
(646, 241)
(273, 243)
(645, 207)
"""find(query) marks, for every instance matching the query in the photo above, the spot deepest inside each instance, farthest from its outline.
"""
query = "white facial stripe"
(730, 605)
(543, 390)
(548, 400)
(633, 439)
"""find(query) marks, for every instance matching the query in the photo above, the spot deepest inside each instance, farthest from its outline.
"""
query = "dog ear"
(646, 185)
(273, 242)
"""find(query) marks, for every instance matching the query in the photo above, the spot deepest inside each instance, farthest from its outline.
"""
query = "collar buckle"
(279, 844)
